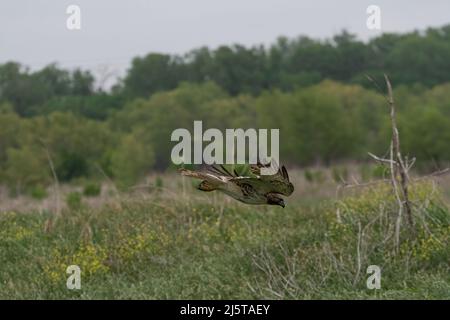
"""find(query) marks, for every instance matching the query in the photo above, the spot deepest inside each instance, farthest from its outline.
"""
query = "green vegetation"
(92, 189)
(314, 91)
(168, 247)
(150, 236)
(38, 193)
(321, 124)
(74, 200)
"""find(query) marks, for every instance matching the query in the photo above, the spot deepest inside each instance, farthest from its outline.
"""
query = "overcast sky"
(34, 32)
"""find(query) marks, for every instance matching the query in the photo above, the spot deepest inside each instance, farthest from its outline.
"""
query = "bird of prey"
(256, 189)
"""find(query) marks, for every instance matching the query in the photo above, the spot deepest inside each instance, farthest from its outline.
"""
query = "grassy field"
(179, 243)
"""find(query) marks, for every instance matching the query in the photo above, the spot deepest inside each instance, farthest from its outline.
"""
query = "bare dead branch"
(383, 161)
(400, 169)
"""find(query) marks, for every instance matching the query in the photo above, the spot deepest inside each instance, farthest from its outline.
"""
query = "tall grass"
(170, 246)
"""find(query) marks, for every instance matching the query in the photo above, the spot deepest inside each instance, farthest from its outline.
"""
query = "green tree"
(131, 160)
(152, 73)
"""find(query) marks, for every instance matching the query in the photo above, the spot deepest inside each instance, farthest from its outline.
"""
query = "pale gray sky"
(34, 32)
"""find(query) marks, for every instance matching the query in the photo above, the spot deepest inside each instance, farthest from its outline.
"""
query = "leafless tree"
(399, 166)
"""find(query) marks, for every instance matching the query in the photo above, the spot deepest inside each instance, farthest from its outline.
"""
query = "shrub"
(74, 200)
(38, 192)
(309, 175)
(92, 189)
(159, 183)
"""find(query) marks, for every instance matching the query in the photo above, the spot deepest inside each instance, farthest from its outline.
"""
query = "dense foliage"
(314, 91)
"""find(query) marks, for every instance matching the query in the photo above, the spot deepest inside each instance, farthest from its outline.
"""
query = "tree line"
(314, 91)
(415, 58)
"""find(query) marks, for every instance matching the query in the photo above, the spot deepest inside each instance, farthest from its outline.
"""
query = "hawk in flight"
(256, 189)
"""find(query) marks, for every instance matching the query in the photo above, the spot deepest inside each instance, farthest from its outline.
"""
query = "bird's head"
(274, 199)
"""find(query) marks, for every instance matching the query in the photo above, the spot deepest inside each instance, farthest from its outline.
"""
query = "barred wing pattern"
(278, 183)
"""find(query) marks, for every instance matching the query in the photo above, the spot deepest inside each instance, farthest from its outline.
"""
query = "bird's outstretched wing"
(276, 183)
